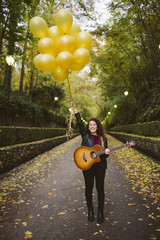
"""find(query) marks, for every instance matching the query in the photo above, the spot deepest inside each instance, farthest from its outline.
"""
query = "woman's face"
(93, 127)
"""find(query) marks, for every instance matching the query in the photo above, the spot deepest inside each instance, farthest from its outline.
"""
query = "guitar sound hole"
(93, 155)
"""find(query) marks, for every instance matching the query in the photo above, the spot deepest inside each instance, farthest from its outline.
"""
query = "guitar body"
(84, 156)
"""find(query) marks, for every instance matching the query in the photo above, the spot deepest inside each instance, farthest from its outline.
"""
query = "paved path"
(44, 200)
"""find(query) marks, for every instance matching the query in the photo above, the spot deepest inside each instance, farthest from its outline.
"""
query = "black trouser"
(98, 173)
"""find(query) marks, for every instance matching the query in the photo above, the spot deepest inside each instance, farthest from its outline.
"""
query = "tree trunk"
(2, 35)
(31, 81)
(23, 64)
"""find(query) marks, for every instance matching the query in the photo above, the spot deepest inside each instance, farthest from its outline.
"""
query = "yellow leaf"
(50, 193)
(95, 233)
(62, 213)
(46, 206)
(28, 235)
(24, 224)
(17, 220)
(131, 204)
(28, 232)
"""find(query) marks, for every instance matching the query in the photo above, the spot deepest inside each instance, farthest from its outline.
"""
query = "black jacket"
(88, 140)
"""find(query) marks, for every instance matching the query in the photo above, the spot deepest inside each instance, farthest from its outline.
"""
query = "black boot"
(100, 216)
(90, 215)
(90, 208)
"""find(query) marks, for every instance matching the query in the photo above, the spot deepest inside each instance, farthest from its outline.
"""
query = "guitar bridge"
(84, 157)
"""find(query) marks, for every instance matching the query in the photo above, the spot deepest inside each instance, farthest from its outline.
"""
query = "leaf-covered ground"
(44, 199)
(141, 171)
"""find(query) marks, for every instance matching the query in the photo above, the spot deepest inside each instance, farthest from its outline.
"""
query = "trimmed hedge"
(151, 129)
(147, 145)
(16, 135)
(13, 156)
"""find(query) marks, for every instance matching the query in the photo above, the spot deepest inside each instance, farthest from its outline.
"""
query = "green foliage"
(150, 107)
(129, 60)
(86, 95)
(17, 135)
(44, 95)
(145, 129)
(22, 108)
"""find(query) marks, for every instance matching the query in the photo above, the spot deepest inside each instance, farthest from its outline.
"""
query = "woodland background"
(125, 57)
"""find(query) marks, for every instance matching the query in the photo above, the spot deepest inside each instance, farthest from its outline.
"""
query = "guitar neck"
(111, 149)
(115, 148)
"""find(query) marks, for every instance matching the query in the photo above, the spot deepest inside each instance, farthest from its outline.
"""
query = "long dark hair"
(100, 128)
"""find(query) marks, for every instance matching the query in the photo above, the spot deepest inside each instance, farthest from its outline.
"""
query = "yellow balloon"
(47, 45)
(65, 43)
(76, 67)
(38, 27)
(74, 30)
(64, 59)
(36, 61)
(83, 40)
(54, 33)
(45, 62)
(59, 73)
(64, 19)
(81, 56)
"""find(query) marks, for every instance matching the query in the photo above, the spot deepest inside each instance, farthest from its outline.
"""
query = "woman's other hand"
(107, 151)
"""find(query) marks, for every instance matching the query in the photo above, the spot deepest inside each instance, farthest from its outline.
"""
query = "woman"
(94, 134)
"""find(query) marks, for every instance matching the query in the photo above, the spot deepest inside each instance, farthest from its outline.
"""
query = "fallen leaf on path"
(62, 213)
(50, 193)
(28, 235)
(95, 233)
(17, 220)
(46, 206)
(131, 204)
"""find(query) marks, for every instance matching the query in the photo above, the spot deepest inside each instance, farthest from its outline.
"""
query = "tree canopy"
(128, 59)
(125, 57)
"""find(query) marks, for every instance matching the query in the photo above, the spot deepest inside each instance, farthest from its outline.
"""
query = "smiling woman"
(92, 135)
(93, 127)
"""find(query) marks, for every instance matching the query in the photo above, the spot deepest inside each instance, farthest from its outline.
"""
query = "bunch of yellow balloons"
(62, 47)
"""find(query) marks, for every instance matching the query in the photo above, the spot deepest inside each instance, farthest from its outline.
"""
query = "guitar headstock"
(130, 144)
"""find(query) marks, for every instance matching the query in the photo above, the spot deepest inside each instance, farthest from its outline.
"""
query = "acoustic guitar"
(85, 157)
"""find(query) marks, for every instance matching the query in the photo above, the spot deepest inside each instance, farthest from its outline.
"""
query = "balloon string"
(70, 116)
(69, 89)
